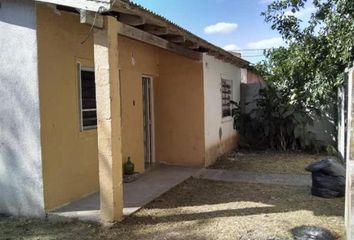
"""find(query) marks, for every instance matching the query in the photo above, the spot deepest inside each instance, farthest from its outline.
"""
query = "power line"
(252, 49)
(254, 56)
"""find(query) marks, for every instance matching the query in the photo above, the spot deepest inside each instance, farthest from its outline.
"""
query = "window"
(226, 97)
(87, 98)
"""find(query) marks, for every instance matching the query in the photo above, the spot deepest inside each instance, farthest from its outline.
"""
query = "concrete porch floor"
(151, 184)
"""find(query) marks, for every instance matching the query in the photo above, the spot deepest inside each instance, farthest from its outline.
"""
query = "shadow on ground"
(202, 209)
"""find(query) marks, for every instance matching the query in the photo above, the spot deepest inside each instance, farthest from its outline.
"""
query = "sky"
(235, 25)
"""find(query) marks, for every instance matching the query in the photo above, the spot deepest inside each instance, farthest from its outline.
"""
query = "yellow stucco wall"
(70, 162)
(179, 111)
(70, 166)
(135, 59)
(178, 104)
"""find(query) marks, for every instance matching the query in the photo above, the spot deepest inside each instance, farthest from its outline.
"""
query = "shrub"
(276, 123)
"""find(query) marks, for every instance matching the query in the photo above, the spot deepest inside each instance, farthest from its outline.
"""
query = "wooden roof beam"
(193, 45)
(140, 35)
(217, 55)
(91, 18)
(156, 30)
(176, 38)
(126, 7)
(133, 20)
(213, 53)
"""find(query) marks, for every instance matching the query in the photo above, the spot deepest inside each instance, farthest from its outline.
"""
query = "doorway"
(148, 121)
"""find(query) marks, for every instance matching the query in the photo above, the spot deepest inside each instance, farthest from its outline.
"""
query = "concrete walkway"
(150, 185)
(253, 177)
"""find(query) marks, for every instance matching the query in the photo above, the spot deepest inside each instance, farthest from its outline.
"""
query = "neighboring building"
(251, 76)
(251, 83)
(77, 103)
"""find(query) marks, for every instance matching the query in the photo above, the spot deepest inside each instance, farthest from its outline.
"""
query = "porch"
(146, 110)
(150, 185)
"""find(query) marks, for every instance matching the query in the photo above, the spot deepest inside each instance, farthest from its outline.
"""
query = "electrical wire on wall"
(99, 11)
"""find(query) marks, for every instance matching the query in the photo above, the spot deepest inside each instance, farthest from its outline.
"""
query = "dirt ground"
(202, 209)
(267, 162)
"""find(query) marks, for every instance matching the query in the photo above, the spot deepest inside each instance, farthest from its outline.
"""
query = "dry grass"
(201, 209)
(267, 162)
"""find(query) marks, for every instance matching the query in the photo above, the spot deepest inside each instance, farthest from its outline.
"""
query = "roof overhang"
(89, 5)
(138, 20)
(143, 19)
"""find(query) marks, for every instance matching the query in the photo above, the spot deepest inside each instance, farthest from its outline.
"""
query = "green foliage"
(302, 77)
(331, 151)
(313, 64)
(276, 123)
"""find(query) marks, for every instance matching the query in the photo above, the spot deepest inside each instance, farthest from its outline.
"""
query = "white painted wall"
(324, 128)
(21, 182)
(220, 135)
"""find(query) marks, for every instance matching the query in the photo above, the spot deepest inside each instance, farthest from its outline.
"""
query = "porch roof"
(144, 19)
(162, 32)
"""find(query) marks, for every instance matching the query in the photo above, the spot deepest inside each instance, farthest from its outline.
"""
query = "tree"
(313, 64)
(303, 77)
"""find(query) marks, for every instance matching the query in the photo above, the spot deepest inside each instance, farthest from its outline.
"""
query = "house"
(86, 84)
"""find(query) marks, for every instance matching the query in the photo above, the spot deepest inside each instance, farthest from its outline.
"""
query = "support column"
(109, 121)
(349, 198)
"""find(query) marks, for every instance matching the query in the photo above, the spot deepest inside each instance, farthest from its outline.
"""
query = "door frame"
(152, 106)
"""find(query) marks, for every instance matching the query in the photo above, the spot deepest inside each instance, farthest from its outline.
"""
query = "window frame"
(229, 117)
(83, 128)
